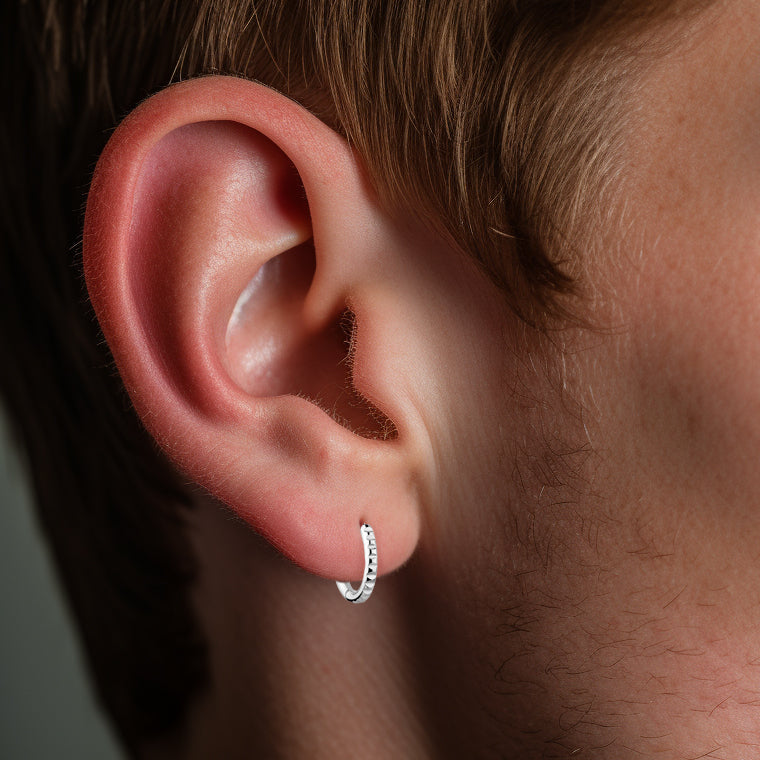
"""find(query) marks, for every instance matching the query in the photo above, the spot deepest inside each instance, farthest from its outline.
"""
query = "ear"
(235, 258)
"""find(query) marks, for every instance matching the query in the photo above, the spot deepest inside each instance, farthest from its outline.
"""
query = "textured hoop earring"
(361, 594)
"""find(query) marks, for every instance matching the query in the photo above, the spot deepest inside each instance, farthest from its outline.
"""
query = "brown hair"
(498, 121)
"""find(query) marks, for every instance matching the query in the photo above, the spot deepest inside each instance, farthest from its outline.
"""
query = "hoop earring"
(361, 594)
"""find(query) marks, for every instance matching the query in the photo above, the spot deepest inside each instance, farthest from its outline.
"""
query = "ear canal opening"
(270, 353)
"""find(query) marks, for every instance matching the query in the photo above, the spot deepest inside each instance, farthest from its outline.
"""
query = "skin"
(584, 583)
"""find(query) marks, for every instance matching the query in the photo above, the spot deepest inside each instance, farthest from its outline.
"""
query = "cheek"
(687, 405)
(689, 286)
(695, 359)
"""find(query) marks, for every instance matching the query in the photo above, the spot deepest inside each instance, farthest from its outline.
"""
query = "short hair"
(499, 122)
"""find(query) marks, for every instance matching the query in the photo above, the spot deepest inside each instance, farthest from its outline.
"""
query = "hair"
(499, 121)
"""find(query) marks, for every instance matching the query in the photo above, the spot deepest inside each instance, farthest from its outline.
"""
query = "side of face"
(611, 562)
(579, 507)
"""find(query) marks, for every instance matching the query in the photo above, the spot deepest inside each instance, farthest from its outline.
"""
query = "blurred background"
(46, 710)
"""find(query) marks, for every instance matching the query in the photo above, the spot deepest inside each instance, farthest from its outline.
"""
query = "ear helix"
(361, 594)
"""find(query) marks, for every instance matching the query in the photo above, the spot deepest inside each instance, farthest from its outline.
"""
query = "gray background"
(46, 710)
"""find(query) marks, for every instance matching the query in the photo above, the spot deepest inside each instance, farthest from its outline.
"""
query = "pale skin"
(572, 551)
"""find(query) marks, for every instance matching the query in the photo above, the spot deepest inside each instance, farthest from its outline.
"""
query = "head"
(479, 274)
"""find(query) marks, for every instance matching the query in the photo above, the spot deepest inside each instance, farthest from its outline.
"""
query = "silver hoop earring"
(361, 594)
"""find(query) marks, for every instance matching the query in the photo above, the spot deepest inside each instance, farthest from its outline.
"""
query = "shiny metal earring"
(361, 594)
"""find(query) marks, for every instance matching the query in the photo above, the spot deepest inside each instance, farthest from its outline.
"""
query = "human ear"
(233, 254)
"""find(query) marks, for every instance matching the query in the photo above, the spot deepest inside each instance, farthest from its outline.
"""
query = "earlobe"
(227, 232)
